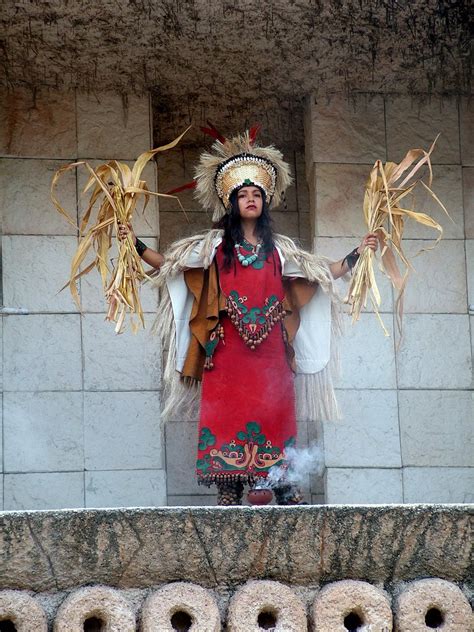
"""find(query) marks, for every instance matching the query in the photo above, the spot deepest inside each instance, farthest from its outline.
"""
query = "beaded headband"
(245, 170)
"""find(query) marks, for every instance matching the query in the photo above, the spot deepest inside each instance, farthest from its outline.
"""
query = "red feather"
(212, 131)
(188, 185)
(254, 132)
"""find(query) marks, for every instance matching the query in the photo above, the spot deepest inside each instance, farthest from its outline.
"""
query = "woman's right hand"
(124, 230)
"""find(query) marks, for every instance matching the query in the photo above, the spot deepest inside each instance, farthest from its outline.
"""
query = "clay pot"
(260, 496)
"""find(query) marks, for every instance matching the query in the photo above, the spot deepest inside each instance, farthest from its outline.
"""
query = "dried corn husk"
(385, 196)
(115, 191)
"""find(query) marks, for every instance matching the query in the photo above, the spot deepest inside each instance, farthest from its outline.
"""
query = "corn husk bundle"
(115, 190)
(386, 195)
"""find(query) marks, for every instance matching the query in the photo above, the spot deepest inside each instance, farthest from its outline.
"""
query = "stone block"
(466, 125)
(101, 602)
(339, 197)
(367, 355)
(285, 609)
(181, 453)
(286, 223)
(126, 488)
(470, 270)
(432, 603)
(92, 293)
(368, 434)
(438, 484)
(302, 190)
(34, 271)
(25, 197)
(412, 124)
(337, 601)
(336, 248)
(434, 352)
(197, 602)
(144, 223)
(122, 431)
(43, 432)
(23, 611)
(344, 130)
(436, 428)
(37, 124)
(176, 168)
(447, 186)
(42, 352)
(52, 490)
(363, 486)
(119, 363)
(438, 282)
(468, 195)
(174, 225)
(317, 499)
(192, 500)
(111, 126)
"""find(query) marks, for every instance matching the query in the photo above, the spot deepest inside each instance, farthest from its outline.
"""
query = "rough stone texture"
(466, 116)
(111, 126)
(43, 432)
(193, 600)
(423, 595)
(23, 611)
(411, 124)
(368, 434)
(470, 270)
(360, 138)
(436, 428)
(340, 599)
(266, 597)
(118, 363)
(25, 197)
(438, 282)
(35, 269)
(363, 485)
(37, 123)
(423, 362)
(101, 602)
(145, 547)
(125, 488)
(41, 352)
(52, 490)
(438, 484)
(468, 195)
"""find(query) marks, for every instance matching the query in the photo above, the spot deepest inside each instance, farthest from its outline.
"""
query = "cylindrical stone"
(23, 611)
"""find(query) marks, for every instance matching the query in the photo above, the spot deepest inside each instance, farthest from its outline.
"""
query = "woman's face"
(250, 202)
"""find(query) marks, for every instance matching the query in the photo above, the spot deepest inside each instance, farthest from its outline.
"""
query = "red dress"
(248, 403)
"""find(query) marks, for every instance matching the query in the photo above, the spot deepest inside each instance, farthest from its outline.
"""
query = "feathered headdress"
(238, 162)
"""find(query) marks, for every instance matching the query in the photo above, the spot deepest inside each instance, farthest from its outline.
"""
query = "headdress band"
(245, 170)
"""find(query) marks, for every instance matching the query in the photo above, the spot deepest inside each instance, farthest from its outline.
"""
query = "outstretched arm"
(150, 256)
(343, 266)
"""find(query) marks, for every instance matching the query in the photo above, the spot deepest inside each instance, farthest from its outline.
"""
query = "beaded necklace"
(247, 260)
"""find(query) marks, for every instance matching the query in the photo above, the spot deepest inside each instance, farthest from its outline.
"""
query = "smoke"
(299, 463)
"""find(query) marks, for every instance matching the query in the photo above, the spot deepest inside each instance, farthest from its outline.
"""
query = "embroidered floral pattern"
(253, 323)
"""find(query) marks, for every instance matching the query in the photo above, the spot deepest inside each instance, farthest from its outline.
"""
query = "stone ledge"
(217, 547)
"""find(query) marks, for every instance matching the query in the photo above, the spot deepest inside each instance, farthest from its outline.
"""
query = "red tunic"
(248, 403)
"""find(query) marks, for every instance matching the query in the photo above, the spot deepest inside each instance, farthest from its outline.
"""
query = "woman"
(250, 310)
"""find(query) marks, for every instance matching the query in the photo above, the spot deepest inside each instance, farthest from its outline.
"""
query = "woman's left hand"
(369, 241)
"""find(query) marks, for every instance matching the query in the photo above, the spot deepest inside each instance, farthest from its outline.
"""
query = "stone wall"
(407, 433)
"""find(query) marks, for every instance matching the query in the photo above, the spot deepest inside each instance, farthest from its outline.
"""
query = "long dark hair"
(232, 228)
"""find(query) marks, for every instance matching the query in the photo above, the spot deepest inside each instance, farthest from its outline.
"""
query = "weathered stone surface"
(198, 603)
(466, 122)
(144, 547)
(43, 432)
(191, 500)
(116, 363)
(468, 195)
(181, 439)
(41, 352)
(270, 597)
(438, 282)
(438, 484)
(25, 198)
(368, 434)
(340, 599)
(421, 597)
(109, 126)
(363, 485)
(23, 611)
(348, 131)
(38, 123)
(470, 270)
(125, 488)
(35, 270)
(436, 428)
(174, 225)
(425, 363)
(51, 490)
(413, 124)
(101, 602)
